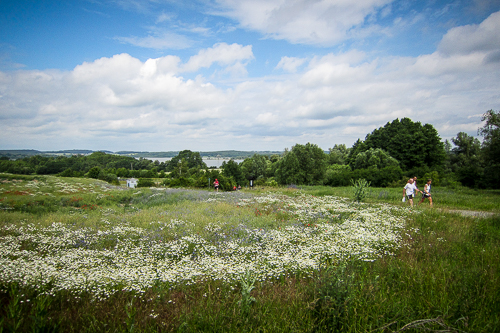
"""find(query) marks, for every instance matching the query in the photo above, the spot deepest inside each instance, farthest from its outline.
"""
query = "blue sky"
(160, 75)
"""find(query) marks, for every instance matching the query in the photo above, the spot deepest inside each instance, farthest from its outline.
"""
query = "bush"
(360, 187)
(166, 181)
(94, 172)
(182, 182)
(67, 173)
(145, 182)
(261, 181)
(272, 183)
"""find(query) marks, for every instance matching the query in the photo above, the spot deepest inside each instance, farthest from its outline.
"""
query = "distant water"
(208, 162)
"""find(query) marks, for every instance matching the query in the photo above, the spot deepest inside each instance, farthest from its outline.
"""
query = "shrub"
(272, 183)
(94, 172)
(145, 182)
(67, 173)
(182, 182)
(360, 187)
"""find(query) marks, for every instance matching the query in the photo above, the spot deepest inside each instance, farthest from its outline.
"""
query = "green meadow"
(81, 255)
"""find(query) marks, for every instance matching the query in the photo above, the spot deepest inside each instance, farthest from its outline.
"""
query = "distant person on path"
(409, 191)
(427, 192)
(216, 185)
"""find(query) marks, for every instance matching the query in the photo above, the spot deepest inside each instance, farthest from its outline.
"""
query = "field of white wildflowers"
(117, 256)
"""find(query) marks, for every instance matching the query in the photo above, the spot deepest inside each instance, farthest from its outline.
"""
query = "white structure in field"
(132, 182)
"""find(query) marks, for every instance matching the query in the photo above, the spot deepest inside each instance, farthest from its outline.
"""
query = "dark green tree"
(412, 144)
(287, 169)
(254, 167)
(358, 147)
(193, 160)
(233, 169)
(491, 148)
(304, 164)
(375, 158)
(145, 182)
(94, 172)
(338, 154)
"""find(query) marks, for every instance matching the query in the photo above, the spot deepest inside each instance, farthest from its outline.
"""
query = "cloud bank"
(208, 102)
(317, 22)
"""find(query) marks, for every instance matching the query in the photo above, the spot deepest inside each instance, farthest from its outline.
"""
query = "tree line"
(386, 157)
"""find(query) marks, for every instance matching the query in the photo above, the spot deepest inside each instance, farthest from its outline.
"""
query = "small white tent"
(132, 182)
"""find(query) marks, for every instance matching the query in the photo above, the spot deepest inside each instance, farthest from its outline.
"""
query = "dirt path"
(472, 213)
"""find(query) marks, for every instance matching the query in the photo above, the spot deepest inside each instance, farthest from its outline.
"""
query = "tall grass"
(444, 198)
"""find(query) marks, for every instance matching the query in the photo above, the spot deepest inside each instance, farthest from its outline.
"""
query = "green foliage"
(14, 317)
(272, 183)
(145, 182)
(19, 167)
(410, 143)
(67, 173)
(78, 164)
(491, 148)
(131, 312)
(333, 292)
(465, 159)
(254, 167)
(123, 172)
(360, 189)
(187, 160)
(94, 172)
(231, 169)
(374, 157)
(247, 284)
(287, 169)
(338, 154)
(181, 182)
(377, 177)
(304, 164)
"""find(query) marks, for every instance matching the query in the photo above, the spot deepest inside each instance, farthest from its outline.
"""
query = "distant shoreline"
(209, 155)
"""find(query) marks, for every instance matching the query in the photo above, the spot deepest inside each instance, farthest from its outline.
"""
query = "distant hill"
(20, 153)
(234, 154)
(147, 154)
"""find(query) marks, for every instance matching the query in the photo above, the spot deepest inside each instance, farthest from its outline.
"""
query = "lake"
(213, 162)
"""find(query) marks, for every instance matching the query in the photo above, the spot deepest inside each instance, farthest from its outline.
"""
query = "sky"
(206, 75)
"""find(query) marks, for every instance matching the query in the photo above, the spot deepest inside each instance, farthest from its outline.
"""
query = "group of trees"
(387, 156)
(476, 164)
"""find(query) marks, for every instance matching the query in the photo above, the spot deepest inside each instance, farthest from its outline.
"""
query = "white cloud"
(163, 17)
(323, 22)
(222, 54)
(290, 64)
(468, 39)
(159, 40)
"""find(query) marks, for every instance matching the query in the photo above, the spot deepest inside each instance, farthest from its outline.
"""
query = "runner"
(216, 185)
(427, 192)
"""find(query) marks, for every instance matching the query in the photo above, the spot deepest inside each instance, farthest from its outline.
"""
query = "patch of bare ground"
(471, 213)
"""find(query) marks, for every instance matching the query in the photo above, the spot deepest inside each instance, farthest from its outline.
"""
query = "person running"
(427, 192)
(216, 185)
(409, 191)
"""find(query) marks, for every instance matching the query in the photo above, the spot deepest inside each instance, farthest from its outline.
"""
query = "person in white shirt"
(427, 192)
(409, 191)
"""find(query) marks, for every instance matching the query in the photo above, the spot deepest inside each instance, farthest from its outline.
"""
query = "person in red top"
(216, 185)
